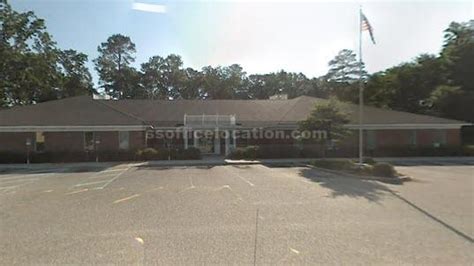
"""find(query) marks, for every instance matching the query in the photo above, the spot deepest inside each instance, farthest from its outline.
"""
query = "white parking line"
(113, 179)
(101, 175)
(243, 179)
(90, 183)
(127, 198)
(2, 182)
(77, 191)
(25, 175)
(113, 170)
(9, 187)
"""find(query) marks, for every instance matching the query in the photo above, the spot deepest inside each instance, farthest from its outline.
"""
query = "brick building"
(85, 124)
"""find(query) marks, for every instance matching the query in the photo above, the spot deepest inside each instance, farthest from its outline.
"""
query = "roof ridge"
(119, 111)
(291, 108)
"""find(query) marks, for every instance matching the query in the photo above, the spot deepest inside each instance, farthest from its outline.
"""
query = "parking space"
(241, 214)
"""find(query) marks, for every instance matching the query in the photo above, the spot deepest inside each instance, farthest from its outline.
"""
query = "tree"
(151, 78)
(458, 54)
(76, 79)
(405, 86)
(213, 83)
(113, 65)
(452, 101)
(165, 78)
(191, 87)
(28, 57)
(326, 116)
(282, 82)
(343, 75)
(345, 68)
(32, 68)
(235, 81)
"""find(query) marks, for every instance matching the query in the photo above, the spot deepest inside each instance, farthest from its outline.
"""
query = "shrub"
(111, 156)
(384, 169)
(278, 151)
(312, 151)
(468, 150)
(187, 154)
(237, 154)
(365, 169)
(62, 157)
(12, 157)
(147, 154)
(247, 153)
(369, 160)
(250, 152)
(335, 164)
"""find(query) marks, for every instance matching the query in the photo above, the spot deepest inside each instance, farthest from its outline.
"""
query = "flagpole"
(361, 92)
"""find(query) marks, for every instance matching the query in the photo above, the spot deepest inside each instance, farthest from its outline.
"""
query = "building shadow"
(346, 186)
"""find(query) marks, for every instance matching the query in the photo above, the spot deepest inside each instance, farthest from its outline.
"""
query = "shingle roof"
(372, 115)
(74, 111)
(83, 110)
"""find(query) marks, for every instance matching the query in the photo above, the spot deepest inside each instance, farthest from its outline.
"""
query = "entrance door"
(205, 143)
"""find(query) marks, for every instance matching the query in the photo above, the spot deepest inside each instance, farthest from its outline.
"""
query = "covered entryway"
(211, 134)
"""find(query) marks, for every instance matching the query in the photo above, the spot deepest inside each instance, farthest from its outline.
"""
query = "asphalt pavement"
(234, 214)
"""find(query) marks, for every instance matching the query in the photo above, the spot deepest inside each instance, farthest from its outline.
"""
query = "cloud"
(149, 7)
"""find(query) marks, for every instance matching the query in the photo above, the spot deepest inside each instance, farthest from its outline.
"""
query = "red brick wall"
(390, 138)
(64, 141)
(14, 142)
(426, 137)
(137, 140)
(68, 141)
(400, 138)
(109, 140)
(453, 137)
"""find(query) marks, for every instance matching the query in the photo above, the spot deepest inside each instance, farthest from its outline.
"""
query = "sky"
(262, 36)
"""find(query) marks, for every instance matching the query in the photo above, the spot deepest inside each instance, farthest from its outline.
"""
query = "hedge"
(103, 156)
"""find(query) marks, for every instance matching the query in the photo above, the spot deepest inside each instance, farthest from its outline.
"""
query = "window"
(124, 140)
(439, 137)
(39, 142)
(89, 141)
(412, 138)
(371, 139)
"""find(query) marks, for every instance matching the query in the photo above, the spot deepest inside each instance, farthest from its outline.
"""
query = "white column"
(227, 142)
(217, 142)
(195, 142)
(235, 140)
(185, 136)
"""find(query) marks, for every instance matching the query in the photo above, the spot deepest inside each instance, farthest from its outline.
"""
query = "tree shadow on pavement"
(346, 186)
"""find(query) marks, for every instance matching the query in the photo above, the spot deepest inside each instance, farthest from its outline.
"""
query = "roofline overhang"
(408, 126)
(145, 127)
(73, 128)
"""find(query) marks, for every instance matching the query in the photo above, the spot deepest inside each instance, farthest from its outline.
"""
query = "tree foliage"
(32, 68)
(343, 76)
(328, 116)
(431, 84)
(116, 76)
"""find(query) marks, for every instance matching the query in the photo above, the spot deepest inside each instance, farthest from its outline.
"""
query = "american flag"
(365, 25)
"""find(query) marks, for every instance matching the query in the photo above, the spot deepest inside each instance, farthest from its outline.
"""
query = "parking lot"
(240, 214)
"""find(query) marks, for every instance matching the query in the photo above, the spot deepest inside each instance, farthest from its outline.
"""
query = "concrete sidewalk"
(215, 161)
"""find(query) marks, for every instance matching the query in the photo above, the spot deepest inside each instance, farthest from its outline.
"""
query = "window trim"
(85, 141)
(128, 140)
(36, 141)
